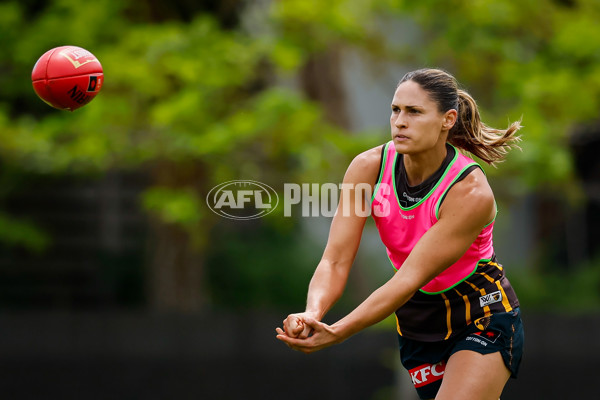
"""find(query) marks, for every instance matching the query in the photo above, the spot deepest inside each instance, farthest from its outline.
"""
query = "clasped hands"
(302, 332)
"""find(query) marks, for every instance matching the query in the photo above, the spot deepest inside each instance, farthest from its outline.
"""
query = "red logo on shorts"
(490, 336)
(427, 373)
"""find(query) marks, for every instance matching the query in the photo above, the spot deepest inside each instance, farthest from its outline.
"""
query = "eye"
(395, 109)
(413, 111)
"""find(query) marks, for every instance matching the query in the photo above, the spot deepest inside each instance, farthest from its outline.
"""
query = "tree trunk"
(176, 256)
(176, 271)
(321, 79)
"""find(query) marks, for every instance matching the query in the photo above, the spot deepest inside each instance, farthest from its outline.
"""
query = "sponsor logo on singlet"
(490, 298)
(407, 216)
(427, 373)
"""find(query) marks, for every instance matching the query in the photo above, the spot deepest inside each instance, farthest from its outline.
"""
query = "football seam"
(70, 76)
(51, 95)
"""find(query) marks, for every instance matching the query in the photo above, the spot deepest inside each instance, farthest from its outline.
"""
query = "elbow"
(410, 283)
(336, 265)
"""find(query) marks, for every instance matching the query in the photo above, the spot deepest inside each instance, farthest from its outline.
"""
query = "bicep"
(346, 230)
(353, 208)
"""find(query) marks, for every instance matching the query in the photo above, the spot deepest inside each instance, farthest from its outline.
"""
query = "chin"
(402, 148)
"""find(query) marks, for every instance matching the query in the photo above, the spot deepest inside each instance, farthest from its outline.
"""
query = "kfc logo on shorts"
(427, 373)
(490, 336)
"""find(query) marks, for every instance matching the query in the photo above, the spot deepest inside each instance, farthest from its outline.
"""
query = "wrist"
(316, 314)
(341, 331)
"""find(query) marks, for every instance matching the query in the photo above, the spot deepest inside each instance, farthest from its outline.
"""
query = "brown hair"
(468, 133)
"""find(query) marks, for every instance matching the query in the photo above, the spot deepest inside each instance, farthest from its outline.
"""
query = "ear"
(449, 120)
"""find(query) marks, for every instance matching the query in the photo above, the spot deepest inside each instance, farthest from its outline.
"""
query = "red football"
(67, 77)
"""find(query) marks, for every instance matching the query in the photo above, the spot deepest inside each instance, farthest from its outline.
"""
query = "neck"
(421, 166)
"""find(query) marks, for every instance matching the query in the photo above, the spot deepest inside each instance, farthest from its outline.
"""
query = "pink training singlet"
(401, 228)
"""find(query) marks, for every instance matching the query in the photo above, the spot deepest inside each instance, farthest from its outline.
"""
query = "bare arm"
(468, 207)
(331, 274)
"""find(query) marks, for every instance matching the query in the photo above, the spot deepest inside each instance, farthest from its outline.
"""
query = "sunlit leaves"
(536, 59)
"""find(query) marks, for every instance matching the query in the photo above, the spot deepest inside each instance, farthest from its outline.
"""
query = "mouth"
(401, 137)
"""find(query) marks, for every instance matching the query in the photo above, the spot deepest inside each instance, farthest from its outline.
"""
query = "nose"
(399, 121)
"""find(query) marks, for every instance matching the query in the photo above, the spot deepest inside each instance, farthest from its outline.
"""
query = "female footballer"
(458, 319)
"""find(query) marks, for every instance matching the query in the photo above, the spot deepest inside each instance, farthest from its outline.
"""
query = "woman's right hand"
(294, 326)
(329, 280)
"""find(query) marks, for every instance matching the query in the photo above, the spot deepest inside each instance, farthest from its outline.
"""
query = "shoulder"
(364, 167)
(471, 198)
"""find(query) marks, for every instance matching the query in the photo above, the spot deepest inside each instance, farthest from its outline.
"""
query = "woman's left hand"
(322, 336)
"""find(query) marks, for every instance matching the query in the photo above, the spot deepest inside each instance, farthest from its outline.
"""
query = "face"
(417, 124)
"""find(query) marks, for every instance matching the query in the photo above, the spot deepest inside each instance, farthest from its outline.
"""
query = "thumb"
(311, 322)
(297, 326)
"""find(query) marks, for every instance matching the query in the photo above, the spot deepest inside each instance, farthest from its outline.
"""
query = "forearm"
(378, 306)
(375, 308)
(326, 287)
(420, 267)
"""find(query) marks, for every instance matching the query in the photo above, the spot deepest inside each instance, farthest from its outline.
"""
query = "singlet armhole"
(380, 171)
(462, 176)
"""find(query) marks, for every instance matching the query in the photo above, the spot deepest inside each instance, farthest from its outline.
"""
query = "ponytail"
(468, 133)
(472, 135)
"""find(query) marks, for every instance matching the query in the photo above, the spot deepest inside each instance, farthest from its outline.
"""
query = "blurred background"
(116, 279)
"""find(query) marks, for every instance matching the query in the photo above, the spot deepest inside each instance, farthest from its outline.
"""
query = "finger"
(293, 342)
(297, 327)
(302, 345)
(282, 334)
(293, 325)
(306, 332)
(284, 338)
(312, 323)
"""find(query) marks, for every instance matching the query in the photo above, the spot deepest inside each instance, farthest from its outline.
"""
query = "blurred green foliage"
(260, 267)
(195, 96)
(570, 291)
(23, 233)
(532, 59)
